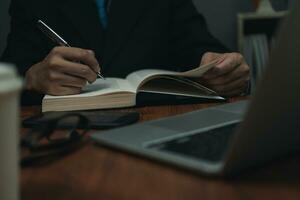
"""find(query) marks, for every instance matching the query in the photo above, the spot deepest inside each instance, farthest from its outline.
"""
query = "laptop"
(227, 139)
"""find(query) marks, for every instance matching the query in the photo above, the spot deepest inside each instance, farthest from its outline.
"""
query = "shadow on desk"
(152, 99)
(280, 171)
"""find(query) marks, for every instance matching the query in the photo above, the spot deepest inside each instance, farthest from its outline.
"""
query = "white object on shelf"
(265, 6)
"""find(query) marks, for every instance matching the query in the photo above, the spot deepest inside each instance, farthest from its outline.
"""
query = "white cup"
(10, 86)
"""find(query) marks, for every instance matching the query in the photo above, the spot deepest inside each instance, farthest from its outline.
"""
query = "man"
(116, 39)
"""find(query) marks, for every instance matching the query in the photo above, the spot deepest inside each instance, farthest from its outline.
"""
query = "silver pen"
(56, 38)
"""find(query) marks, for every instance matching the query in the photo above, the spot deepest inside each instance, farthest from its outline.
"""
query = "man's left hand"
(231, 75)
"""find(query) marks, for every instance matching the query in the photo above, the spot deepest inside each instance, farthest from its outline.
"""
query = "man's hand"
(231, 75)
(64, 71)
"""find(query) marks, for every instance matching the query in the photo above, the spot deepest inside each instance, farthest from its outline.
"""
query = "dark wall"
(4, 23)
(221, 16)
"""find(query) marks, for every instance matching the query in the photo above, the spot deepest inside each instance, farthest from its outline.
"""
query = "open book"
(117, 93)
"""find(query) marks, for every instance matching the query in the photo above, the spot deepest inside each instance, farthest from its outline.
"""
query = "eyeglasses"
(52, 137)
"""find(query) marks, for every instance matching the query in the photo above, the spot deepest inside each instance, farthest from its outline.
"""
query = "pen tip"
(99, 75)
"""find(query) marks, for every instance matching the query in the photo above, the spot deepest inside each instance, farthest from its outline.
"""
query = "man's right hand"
(65, 71)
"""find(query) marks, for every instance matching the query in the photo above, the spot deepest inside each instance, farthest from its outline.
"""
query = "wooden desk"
(95, 172)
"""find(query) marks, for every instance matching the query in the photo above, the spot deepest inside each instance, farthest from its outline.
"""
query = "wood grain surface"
(95, 172)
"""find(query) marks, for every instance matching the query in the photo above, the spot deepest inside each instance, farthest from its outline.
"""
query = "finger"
(84, 56)
(239, 83)
(241, 71)
(71, 81)
(236, 92)
(58, 90)
(63, 90)
(73, 68)
(67, 80)
(230, 63)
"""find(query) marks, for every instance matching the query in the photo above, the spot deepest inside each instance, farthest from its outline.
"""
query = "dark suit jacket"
(167, 34)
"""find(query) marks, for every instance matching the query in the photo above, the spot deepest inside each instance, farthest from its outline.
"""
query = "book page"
(137, 78)
(100, 87)
(199, 71)
(183, 87)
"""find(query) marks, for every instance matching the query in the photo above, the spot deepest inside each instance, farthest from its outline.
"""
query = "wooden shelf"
(256, 33)
(253, 23)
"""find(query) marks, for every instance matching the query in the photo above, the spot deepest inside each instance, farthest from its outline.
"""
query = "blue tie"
(102, 12)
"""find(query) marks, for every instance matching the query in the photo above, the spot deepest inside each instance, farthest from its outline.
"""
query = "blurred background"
(4, 23)
(221, 17)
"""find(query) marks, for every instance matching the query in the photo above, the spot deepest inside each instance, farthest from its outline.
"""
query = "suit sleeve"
(190, 35)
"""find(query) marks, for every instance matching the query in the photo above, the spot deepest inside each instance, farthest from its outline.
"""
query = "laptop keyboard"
(210, 145)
